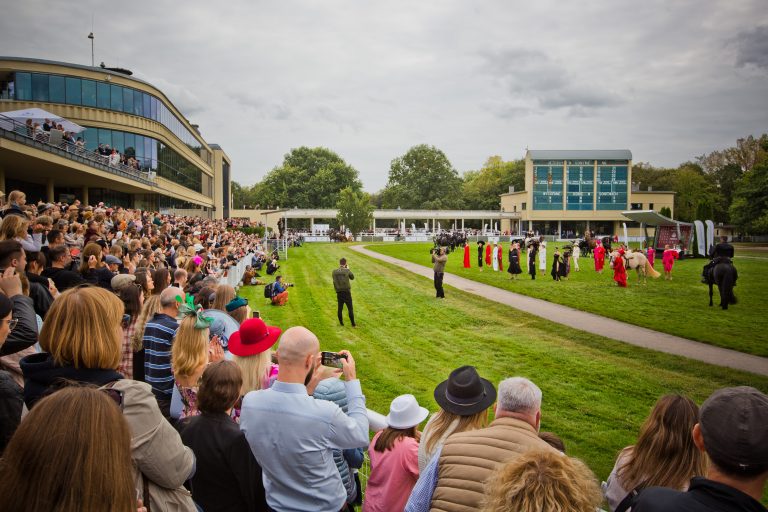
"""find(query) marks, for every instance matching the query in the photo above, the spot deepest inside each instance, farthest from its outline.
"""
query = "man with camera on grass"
(341, 277)
(280, 291)
(439, 260)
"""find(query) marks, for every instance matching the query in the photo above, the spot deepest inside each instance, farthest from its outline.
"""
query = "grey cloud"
(532, 76)
(263, 107)
(753, 48)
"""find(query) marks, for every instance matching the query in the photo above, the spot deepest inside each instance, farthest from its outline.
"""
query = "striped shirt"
(158, 339)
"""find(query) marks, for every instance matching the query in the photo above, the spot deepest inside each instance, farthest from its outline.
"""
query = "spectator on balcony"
(114, 158)
(47, 125)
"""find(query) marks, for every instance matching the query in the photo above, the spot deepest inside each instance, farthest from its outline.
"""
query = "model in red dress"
(466, 255)
(599, 257)
(668, 260)
(501, 251)
(488, 260)
(651, 255)
(619, 270)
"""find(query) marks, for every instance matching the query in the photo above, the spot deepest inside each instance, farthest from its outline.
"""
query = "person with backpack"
(277, 291)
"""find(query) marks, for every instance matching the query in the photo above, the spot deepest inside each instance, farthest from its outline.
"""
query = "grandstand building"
(167, 165)
(568, 192)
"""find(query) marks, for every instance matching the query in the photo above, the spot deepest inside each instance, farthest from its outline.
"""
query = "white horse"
(638, 262)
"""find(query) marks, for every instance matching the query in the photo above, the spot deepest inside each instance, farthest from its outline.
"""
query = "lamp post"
(90, 36)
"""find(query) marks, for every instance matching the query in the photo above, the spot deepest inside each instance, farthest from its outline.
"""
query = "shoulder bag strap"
(627, 501)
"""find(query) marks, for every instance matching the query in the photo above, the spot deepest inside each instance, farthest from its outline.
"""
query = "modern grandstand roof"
(580, 154)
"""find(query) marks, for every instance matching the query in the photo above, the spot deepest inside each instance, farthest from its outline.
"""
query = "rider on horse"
(721, 253)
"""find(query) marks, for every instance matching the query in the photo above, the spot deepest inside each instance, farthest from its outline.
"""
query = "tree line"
(728, 186)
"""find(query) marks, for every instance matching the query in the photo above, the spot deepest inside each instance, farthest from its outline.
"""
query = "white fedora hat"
(405, 412)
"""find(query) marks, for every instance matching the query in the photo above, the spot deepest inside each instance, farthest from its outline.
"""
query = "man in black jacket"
(341, 277)
(733, 431)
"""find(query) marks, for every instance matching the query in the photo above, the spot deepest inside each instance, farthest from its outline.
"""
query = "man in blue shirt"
(292, 434)
(158, 340)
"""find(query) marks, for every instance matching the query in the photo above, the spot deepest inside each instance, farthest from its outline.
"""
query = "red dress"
(501, 250)
(488, 260)
(466, 256)
(599, 257)
(620, 272)
(668, 259)
(651, 253)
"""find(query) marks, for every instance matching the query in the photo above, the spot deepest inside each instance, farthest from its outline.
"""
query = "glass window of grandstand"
(573, 229)
(636, 206)
(545, 227)
(74, 94)
(601, 228)
(89, 93)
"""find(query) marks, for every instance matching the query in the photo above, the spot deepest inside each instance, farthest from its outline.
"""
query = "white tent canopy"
(38, 115)
(652, 218)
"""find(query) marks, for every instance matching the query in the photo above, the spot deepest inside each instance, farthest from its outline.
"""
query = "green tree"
(695, 193)
(665, 211)
(422, 178)
(749, 210)
(355, 211)
(308, 178)
(481, 189)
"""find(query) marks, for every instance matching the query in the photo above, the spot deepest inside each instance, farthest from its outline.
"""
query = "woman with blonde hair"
(150, 308)
(16, 200)
(81, 341)
(93, 269)
(15, 228)
(238, 309)
(224, 294)
(543, 480)
(664, 455)
(70, 466)
(464, 400)
(191, 352)
(251, 347)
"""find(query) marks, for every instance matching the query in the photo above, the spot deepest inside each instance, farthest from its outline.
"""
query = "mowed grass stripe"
(596, 391)
(678, 307)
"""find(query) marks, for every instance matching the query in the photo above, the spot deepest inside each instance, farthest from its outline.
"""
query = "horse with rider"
(721, 272)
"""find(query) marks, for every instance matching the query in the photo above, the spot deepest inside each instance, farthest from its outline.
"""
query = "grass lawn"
(596, 391)
(677, 307)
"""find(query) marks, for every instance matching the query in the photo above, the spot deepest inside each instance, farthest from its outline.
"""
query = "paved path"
(592, 323)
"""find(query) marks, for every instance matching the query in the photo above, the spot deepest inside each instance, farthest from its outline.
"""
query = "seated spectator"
(179, 278)
(251, 347)
(16, 201)
(732, 432)
(350, 460)
(190, 354)
(459, 470)
(133, 301)
(93, 270)
(61, 260)
(464, 400)
(272, 266)
(664, 455)
(11, 395)
(279, 292)
(238, 309)
(228, 478)
(70, 465)
(15, 227)
(82, 343)
(281, 425)
(543, 480)
(394, 454)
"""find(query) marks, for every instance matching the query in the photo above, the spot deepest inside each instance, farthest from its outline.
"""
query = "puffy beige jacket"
(469, 458)
(156, 450)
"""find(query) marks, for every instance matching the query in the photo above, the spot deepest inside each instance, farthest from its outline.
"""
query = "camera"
(332, 359)
(289, 285)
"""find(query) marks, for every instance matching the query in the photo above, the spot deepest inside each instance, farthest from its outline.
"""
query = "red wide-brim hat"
(254, 337)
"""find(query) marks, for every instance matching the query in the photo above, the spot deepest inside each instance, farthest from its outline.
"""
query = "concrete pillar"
(462, 224)
(49, 190)
(530, 225)
(311, 224)
(560, 228)
(374, 224)
(84, 198)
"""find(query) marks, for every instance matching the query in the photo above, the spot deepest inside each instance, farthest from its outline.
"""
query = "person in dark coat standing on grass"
(480, 245)
(439, 260)
(341, 277)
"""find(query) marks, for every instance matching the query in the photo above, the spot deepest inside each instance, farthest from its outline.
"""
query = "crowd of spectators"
(122, 389)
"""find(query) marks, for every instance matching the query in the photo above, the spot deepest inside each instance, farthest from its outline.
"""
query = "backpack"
(268, 290)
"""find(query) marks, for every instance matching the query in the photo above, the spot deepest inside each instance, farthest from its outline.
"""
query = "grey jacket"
(439, 262)
(25, 333)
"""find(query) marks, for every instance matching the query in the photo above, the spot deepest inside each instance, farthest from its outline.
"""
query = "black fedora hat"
(465, 393)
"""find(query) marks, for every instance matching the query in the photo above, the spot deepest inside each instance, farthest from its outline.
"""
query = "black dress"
(532, 263)
(556, 267)
(480, 246)
(514, 262)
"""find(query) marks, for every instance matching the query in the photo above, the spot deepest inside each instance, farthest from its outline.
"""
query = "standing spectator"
(394, 454)
(732, 432)
(438, 266)
(70, 465)
(532, 251)
(455, 477)
(82, 343)
(145, 280)
(228, 478)
(158, 340)
(224, 294)
(543, 480)
(480, 245)
(576, 255)
(238, 309)
(464, 399)
(93, 270)
(251, 348)
(542, 255)
(664, 454)
(16, 200)
(15, 227)
(599, 253)
(11, 395)
(150, 308)
(161, 280)
(466, 255)
(190, 354)
(341, 277)
(281, 425)
(495, 257)
(179, 278)
(514, 261)
(133, 301)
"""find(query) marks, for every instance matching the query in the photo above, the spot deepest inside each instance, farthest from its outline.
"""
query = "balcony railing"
(53, 142)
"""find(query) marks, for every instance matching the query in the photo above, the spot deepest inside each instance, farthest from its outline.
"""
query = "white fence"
(235, 274)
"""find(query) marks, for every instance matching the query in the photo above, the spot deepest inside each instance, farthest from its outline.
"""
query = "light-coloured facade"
(179, 169)
(568, 192)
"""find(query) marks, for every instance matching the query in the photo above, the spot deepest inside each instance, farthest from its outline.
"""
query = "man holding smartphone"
(341, 278)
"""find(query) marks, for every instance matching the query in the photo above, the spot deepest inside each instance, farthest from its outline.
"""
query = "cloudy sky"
(669, 80)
